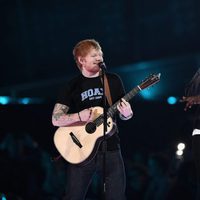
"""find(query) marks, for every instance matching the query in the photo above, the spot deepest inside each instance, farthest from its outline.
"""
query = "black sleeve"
(68, 93)
(64, 96)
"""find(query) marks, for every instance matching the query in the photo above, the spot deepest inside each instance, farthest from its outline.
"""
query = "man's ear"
(80, 60)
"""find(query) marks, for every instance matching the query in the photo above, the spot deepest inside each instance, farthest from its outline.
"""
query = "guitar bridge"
(75, 140)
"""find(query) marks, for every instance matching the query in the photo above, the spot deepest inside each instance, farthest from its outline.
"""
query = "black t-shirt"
(82, 92)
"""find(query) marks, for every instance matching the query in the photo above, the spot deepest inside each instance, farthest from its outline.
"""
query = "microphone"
(102, 65)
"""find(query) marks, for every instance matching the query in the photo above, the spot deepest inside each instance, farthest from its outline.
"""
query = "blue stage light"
(3, 197)
(147, 94)
(25, 100)
(4, 100)
(172, 100)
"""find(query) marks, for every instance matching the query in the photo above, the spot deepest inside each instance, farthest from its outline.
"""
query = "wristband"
(79, 116)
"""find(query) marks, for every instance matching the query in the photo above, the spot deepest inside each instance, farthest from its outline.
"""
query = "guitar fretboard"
(153, 79)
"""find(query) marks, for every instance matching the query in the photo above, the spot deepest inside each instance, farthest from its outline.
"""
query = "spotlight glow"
(25, 100)
(181, 146)
(172, 100)
(4, 100)
(179, 152)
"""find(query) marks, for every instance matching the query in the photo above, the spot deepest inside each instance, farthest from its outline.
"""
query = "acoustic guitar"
(78, 144)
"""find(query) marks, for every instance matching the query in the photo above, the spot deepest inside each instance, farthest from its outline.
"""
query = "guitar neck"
(127, 97)
(151, 80)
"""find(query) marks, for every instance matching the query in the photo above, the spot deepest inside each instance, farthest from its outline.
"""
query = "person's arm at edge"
(190, 101)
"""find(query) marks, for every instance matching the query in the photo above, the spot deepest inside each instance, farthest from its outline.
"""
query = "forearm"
(61, 117)
(64, 119)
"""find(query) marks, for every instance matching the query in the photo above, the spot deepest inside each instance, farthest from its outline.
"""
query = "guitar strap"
(107, 88)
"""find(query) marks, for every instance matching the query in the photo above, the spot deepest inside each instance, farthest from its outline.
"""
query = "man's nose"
(100, 59)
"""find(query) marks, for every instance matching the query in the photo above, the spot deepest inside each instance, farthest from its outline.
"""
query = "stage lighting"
(5, 100)
(179, 152)
(172, 100)
(181, 146)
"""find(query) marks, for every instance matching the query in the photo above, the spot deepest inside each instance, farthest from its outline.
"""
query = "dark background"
(138, 38)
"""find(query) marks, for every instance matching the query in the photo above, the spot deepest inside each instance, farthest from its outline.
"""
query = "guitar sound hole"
(90, 127)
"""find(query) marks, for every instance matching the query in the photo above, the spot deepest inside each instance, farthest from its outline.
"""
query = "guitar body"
(76, 144)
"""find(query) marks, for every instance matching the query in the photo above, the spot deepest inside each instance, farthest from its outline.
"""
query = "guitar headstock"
(149, 81)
